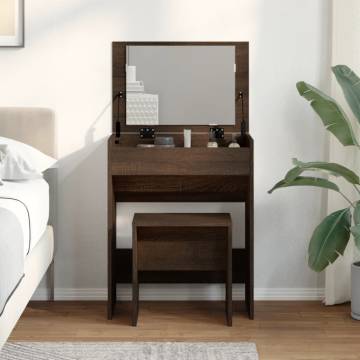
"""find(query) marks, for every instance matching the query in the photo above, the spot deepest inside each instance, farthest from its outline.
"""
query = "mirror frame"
(119, 85)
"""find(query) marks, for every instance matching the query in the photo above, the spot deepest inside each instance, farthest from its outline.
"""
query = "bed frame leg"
(51, 281)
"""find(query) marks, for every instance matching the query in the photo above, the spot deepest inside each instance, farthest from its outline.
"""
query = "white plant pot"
(355, 290)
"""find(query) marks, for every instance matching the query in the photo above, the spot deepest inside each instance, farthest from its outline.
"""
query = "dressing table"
(196, 174)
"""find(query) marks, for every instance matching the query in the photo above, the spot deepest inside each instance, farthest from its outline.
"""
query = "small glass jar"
(233, 143)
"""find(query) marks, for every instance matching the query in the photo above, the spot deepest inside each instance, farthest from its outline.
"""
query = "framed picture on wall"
(11, 23)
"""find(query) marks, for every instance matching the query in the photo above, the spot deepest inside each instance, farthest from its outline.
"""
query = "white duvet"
(29, 201)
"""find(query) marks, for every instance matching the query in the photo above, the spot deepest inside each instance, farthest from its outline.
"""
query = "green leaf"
(333, 168)
(350, 84)
(357, 213)
(306, 181)
(330, 112)
(329, 239)
(355, 230)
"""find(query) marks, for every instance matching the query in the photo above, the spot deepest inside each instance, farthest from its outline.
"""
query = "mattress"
(29, 201)
(11, 256)
(36, 264)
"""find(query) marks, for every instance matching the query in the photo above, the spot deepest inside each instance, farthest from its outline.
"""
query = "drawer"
(127, 161)
(220, 185)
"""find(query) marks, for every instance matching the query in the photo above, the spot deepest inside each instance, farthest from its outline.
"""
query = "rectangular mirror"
(180, 85)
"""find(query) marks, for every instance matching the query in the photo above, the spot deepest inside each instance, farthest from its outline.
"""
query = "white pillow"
(19, 161)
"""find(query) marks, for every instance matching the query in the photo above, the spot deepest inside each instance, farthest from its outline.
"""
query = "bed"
(25, 215)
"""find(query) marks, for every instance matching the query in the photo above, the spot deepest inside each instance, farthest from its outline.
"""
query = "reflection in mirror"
(180, 85)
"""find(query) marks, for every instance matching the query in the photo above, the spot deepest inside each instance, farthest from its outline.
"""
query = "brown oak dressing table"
(197, 174)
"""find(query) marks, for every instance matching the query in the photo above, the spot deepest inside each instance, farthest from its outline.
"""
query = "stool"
(182, 242)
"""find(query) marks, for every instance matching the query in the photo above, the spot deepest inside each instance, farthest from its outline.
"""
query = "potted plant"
(332, 235)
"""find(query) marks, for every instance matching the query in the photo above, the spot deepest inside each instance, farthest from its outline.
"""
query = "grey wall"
(195, 84)
(66, 65)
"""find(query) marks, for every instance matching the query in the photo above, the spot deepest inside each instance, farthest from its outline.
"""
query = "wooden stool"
(182, 242)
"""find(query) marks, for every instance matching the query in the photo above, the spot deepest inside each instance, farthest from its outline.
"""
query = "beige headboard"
(33, 126)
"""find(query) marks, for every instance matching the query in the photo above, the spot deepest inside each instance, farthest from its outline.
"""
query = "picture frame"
(12, 16)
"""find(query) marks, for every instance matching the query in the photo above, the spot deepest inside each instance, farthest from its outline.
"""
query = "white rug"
(128, 350)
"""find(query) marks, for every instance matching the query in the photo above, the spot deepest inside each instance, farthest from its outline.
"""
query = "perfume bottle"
(212, 143)
(187, 138)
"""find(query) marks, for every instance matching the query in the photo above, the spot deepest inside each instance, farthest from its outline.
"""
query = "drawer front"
(180, 184)
(181, 161)
(182, 249)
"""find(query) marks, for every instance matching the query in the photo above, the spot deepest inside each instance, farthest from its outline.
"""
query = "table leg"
(229, 310)
(111, 250)
(51, 281)
(249, 245)
(135, 281)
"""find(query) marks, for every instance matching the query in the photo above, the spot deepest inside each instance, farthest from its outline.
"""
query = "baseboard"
(182, 292)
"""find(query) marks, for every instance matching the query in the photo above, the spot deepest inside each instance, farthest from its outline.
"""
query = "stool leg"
(229, 304)
(135, 304)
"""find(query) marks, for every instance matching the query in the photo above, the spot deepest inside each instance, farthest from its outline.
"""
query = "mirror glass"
(180, 85)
